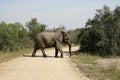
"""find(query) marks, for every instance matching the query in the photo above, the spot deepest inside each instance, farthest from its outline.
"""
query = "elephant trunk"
(70, 49)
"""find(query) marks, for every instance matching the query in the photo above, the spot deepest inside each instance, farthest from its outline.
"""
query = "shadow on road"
(27, 55)
(68, 51)
(48, 56)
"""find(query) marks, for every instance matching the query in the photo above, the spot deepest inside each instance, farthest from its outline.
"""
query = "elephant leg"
(43, 52)
(61, 53)
(35, 49)
(56, 52)
(59, 47)
(34, 52)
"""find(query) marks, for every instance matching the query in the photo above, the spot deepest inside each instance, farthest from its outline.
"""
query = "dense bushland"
(15, 36)
(102, 33)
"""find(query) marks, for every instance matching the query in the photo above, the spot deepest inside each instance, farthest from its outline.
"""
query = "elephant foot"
(56, 57)
(61, 56)
(44, 56)
(33, 55)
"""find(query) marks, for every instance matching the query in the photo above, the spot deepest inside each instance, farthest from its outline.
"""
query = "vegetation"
(5, 56)
(14, 36)
(90, 68)
(101, 36)
(102, 33)
(35, 27)
(74, 36)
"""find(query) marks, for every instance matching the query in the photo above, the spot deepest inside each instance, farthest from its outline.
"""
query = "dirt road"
(39, 68)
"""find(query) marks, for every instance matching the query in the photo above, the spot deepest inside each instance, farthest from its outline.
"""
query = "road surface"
(39, 68)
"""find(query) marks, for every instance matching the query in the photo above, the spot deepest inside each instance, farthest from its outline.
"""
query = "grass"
(86, 63)
(5, 56)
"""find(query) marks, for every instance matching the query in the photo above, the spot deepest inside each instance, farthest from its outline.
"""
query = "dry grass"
(5, 56)
(88, 65)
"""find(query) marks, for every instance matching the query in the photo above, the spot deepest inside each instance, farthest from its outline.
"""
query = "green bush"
(102, 33)
(13, 36)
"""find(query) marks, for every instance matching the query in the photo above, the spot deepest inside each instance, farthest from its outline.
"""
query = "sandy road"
(39, 68)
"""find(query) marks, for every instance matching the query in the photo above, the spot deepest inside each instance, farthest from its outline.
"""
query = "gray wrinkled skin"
(51, 39)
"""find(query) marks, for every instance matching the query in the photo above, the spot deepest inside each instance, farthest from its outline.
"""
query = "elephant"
(51, 39)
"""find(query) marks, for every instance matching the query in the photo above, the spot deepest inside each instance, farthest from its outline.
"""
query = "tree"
(102, 33)
(35, 27)
(13, 36)
(74, 35)
(61, 27)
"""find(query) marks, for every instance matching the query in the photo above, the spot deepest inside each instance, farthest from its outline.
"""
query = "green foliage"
(102, 33)
(61, 27)
(74, 35)
(13, 36)
(35, 27)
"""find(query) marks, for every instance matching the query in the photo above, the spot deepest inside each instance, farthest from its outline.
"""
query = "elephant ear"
(60, 35)
(63, 36)
(66, 37)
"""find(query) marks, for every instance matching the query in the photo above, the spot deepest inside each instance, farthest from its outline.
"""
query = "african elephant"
(51, 39)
